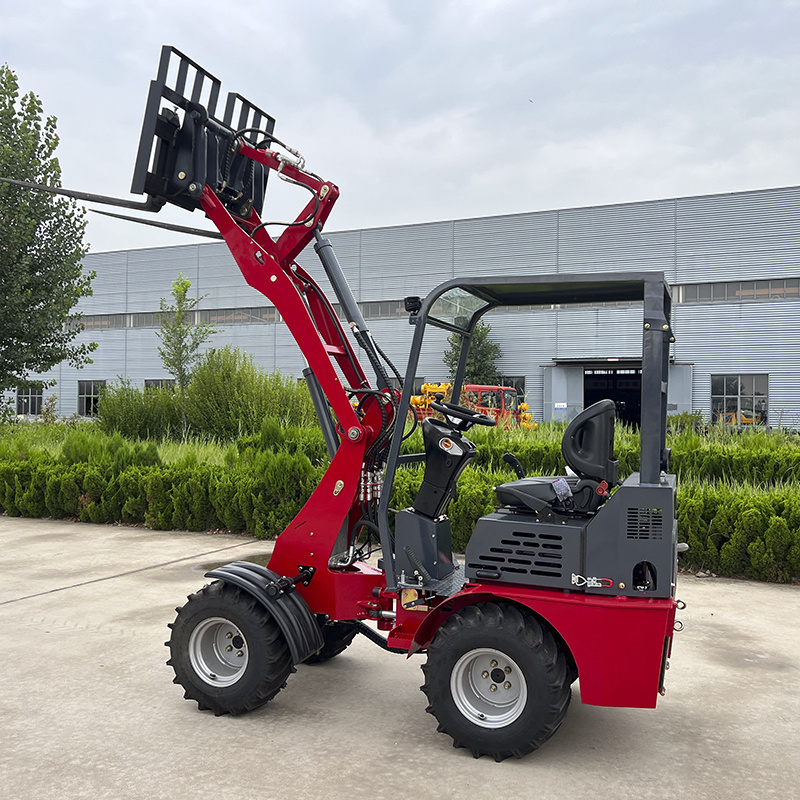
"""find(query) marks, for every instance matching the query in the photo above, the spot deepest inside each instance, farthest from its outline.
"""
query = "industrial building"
(733, 261)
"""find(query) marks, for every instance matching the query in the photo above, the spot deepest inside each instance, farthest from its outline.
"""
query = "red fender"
(620, 644)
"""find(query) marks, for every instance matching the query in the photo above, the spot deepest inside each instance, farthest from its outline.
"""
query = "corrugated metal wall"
(746, 235)
(733, 236)
(519, 243)
(636, 236)
(109, 286)
(743, 337)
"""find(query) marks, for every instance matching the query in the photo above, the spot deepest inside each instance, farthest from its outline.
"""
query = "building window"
(739, 399)
(99, 321)
(29, 401)
(739, 291)
(88, 396)
(159, 383)
(145, 320)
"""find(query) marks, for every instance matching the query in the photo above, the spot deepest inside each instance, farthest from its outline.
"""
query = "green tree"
(41, 246)
(181, 338)
(481, 358)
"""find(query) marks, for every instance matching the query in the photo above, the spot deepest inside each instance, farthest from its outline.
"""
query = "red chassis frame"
(620, 645)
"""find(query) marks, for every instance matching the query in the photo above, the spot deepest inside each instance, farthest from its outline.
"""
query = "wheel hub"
(488, 688)
(218, 651)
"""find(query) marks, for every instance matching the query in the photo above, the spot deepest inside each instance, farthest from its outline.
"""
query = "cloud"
(423, 111)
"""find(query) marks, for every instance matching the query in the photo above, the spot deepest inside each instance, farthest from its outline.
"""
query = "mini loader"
(571, 578)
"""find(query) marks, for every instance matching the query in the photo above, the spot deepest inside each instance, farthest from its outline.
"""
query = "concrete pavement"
(88, 708)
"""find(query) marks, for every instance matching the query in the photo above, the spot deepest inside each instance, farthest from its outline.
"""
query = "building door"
(623, 386)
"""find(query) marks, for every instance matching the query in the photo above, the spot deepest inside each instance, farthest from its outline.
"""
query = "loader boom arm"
(188, 157)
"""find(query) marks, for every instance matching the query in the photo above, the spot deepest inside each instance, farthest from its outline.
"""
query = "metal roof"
(558, 289)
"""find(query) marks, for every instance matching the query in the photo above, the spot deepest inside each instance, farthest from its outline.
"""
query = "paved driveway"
(88, 708)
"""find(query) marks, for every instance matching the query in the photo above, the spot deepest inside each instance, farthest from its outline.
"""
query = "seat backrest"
(588, 443)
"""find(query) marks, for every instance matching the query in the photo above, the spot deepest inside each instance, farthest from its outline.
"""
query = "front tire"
(496, 680)
(227, 651)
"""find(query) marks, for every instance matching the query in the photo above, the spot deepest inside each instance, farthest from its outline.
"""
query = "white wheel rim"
(488, 688)
(218, 651)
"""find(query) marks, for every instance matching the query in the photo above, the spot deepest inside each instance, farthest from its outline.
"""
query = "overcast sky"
(426, 110)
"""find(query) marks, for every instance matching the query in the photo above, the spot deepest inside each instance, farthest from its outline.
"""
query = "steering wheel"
(466, 415)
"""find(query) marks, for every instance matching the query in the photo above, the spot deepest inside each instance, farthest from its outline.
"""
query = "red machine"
(573, 577)
(494, 400)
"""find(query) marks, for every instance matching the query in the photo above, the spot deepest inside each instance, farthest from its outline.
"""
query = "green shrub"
(475, 498)
(133, 492)
(230, 397)
(406, 486)
(275, 437)
(192, 508)
(30, 493)
(62, 492)
(159, 500)
(283, 484)
(87, 446)
(224, 493)
(7, 473)
(140, 413)
(769, 555)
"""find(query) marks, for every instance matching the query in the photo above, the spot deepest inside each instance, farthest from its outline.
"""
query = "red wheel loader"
(571, 578)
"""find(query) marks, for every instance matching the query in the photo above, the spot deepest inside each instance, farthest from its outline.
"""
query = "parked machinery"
(571, 578)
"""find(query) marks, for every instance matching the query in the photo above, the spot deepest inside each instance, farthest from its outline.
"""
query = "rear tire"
(338, 636)
(227, 651)
(496, 681)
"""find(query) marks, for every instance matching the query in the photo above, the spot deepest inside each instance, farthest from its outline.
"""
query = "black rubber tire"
(337, 636)
(518, 639)
(268, 662)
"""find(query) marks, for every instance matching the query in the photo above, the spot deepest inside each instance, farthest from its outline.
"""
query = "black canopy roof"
(470, 298)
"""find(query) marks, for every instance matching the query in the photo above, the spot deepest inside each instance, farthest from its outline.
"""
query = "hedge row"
(750, 457)
(198, 498)
(736, 529)
(731, 529)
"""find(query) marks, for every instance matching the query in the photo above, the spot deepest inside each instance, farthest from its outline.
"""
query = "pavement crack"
(123, 574)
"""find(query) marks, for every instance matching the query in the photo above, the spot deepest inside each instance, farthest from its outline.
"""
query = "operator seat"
(588, 449)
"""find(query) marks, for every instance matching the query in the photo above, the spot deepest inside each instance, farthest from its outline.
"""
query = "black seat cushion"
(570, 495)
(534, 493)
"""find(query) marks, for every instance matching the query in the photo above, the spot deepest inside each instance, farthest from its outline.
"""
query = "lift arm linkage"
(337, 504)
(188, 157)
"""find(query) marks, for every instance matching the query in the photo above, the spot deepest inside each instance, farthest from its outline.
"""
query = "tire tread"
(259, 684)
(505, 622)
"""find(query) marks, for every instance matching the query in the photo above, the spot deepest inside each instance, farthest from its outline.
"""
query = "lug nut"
(493, 663)
(507, 670)
(228, 649)
(484, 674)
(240, 653)
(493, 688)
(229, 635)
(506, 685)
